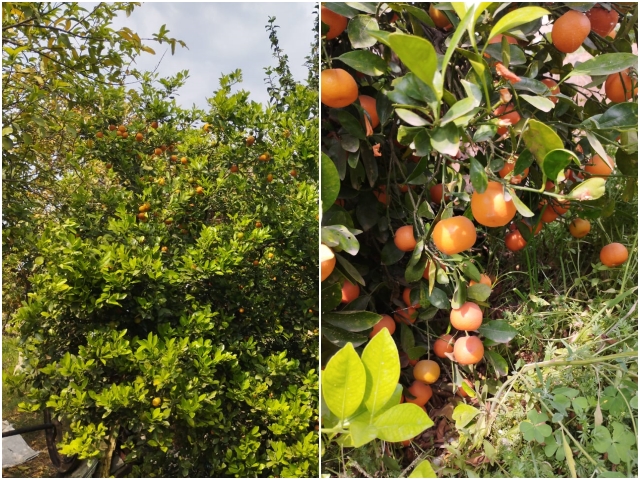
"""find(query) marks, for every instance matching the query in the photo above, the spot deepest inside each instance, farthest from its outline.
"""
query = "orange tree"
(451, 133)
(172, 312)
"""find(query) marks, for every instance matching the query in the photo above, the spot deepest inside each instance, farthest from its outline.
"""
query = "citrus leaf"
(402, 422)
(340, 337)
(556, 161)
(605, 64)
(352, 321)
(358, 31)
(478, 175)
(382, 367)
(497, 330)
(516, 18)
(540, 103)
(590, 189)
(520, 207)
(344, 382)
(330, 182)
(364, 61)
(540, 139)
(423, 470)
(417, 54)
(463, 414)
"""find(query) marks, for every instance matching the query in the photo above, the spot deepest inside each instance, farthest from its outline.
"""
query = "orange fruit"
(270, 178)
(234, 168)
(241, 310)
(454, 235)
(156, 402)
(510, 118)
(250, 140)
(569, 31)
(386, 322)
(337, 23)
(381, 194)
(164, 249)
(258, 224)
(327, 262)
(490, 208)
(338, 88)
(436, 193)
(538, 228)
(157, 151)
(369, 105)
(421, 391)
(199, 190)
(426, 371)
(467, 317)
(439, 18)
(404, 239)
(99, 135)
(553, 86)
(498, 39)
(484, 279)
(125, 135)
(614, 254)
(406, 296)
(444, 344)
(139, 137)
(122, 128)
(598, 167)
(579, 228)
(549, 186)
(349, 292)
(406, 316)
(508, 168)
(293, 173)
(112, 128)
(118, 133)
(620, 87)
(265, 157)
(468, 350)
(184, 160)
(173, 158)
(154, 125)
(108, 166)
(142, 216)
(515, 241)
(602, 21)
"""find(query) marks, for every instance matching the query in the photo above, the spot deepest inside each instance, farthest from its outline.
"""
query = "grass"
(39, 467)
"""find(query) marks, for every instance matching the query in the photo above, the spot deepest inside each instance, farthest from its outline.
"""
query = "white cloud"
(222, 37)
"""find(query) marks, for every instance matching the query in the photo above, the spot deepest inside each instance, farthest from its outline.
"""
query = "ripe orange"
(381, 194)
(258, 224)
(490, 208)
(598, 167)
(122, 128)
(484, 279)
(439, 18)
(436, 193)
(386, 322)
(265, 157)
(173, 158)
(569, 31)
(124, 135)
(549, 186)
(421, 391)
(184, 160)
(369, 105)
(349, 292)
(157, 151)
(538, 228)
(515, 241)
(579, 227)
(553, 86)
(498, 39)
(510, 118)
(454, 235)
(250, 140)
(234, 168)
(614, 254)
(108, 166)
(508, 168)
(406, 316)
(293, 173)
(337, 23)
(620, 87)
(406, 296)
(443, 345)
(468, 350)
(549, 214)
(142, 216)
(426, 371)
(241, 310)
(467, 317)
(338, 88)
(112, 128)
(154, 125)
(164, 249)
(269, 178)
(156, 402)
(199, 190)
(139, 137)
(602, 21)
(404, 239)
(327, 262)
(118, 133)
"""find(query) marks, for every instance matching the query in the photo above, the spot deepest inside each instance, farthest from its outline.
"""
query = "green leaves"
(423, 470)
(365, 62)
(463, 414)
(498, 331)
(374, 393)
(590, 189)
(352, 321)
(417, 54)
(556, 161)
(478, 176)
(540, 139)
(518, 17)
(359, 31)
(343, 382)
(535, 428)
(618, 446)
(330, 182)
(339, 235)
(605, 64)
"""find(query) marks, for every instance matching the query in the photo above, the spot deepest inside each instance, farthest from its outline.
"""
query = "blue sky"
(222, 37)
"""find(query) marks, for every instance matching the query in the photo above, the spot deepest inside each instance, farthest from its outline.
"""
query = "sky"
(222, 37)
